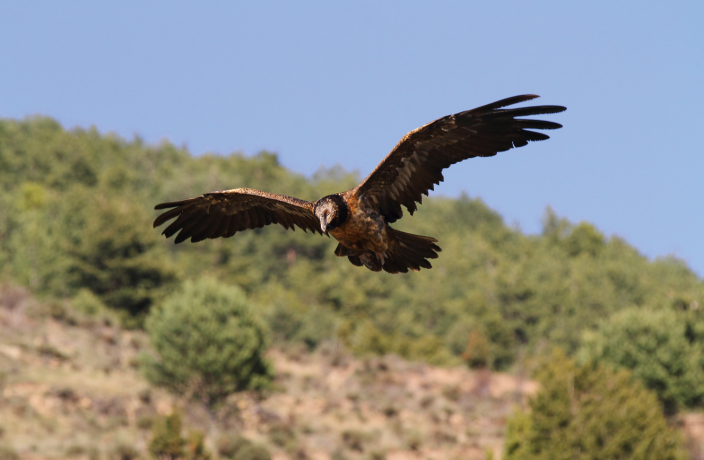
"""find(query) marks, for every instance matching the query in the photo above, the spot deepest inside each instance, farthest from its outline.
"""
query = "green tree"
(654, 344)
(584, 239)
(110, 253)
(590, 412)
(208, 343)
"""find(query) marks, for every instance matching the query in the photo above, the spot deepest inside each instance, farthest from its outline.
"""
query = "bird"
(359, 218)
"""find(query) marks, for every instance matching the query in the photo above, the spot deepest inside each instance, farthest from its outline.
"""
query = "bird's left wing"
(412, 168)
(222, 214)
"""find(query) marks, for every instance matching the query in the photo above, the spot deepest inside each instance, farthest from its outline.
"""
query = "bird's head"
(331, 211)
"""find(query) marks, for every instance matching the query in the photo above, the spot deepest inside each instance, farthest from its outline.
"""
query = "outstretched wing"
(224, 213)
(412, 168)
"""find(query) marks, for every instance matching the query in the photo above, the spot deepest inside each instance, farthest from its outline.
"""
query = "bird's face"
(326, 210)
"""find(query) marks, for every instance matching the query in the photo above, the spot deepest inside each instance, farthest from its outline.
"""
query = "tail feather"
(342, 251)
(409, 251)
(354, 259)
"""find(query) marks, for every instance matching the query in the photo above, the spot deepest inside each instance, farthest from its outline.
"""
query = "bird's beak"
(324, 226)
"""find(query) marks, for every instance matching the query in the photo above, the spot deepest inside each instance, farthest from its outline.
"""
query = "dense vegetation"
(662, 349)
(588, 412)
(75, 221)
(209, 343)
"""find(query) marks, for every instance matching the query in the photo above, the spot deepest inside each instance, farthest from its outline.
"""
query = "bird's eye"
(327, 212)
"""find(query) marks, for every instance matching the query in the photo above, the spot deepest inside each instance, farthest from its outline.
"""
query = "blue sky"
(326, 83)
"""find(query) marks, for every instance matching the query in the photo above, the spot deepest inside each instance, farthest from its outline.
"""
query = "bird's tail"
(405, 251)
(409, 251)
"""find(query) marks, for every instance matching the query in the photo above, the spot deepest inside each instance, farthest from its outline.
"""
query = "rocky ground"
(70, 387)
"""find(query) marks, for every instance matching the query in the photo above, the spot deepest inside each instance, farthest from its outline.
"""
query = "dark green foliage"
(208, 343)
(657, 346)
(72, 214)
(590, 412)
(111, 254)
(584, 239)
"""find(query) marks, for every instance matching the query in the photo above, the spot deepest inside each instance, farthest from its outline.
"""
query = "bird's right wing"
(224, 213)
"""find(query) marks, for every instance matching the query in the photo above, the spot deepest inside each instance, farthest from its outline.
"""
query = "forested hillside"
(76, 213)
(78, 256)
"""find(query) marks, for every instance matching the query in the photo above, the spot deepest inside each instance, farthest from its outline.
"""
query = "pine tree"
(591, 412)
(208, 342)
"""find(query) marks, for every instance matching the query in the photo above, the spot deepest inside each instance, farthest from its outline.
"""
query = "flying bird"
(359, 218)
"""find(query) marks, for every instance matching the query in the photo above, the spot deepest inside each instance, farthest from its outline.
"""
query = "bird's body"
(364, 230)
(359, 218)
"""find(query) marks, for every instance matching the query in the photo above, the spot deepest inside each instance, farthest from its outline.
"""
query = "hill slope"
(76, 213)
(70, 389)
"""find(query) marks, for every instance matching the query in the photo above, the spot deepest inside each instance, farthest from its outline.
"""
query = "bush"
(477, 352)
(167, 442)
(236, 447)
(655, 346)
(283, 436)
(8, 453)
(354, 439)
(588, 412)
(123, 451)
(208, 342)
(252, 452)
(195, 447)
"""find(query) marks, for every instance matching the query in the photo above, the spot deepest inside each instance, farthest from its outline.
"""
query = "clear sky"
(326, 83)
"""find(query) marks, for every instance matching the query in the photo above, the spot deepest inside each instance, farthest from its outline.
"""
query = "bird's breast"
(364, 229)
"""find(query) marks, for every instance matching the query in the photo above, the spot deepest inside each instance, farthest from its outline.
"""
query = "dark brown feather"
(414, 166)
(354, 259)
(224, 213)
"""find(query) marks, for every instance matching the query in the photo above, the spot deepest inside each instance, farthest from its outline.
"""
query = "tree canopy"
(586, 412)
(208, 342)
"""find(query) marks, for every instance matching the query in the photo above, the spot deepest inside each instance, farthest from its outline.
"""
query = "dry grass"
(70, 389)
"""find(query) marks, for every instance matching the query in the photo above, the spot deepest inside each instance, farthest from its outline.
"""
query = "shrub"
(477, 352)
(283, 436)
(414, 440)
(229, 445)
(167, 442)
(195, 447)
(588, 412)
(208, 342)
(145, 422)
(8, 453)
(123, 451)
(354, 439)
(252, 452)
(236, 447)
(654, 345)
